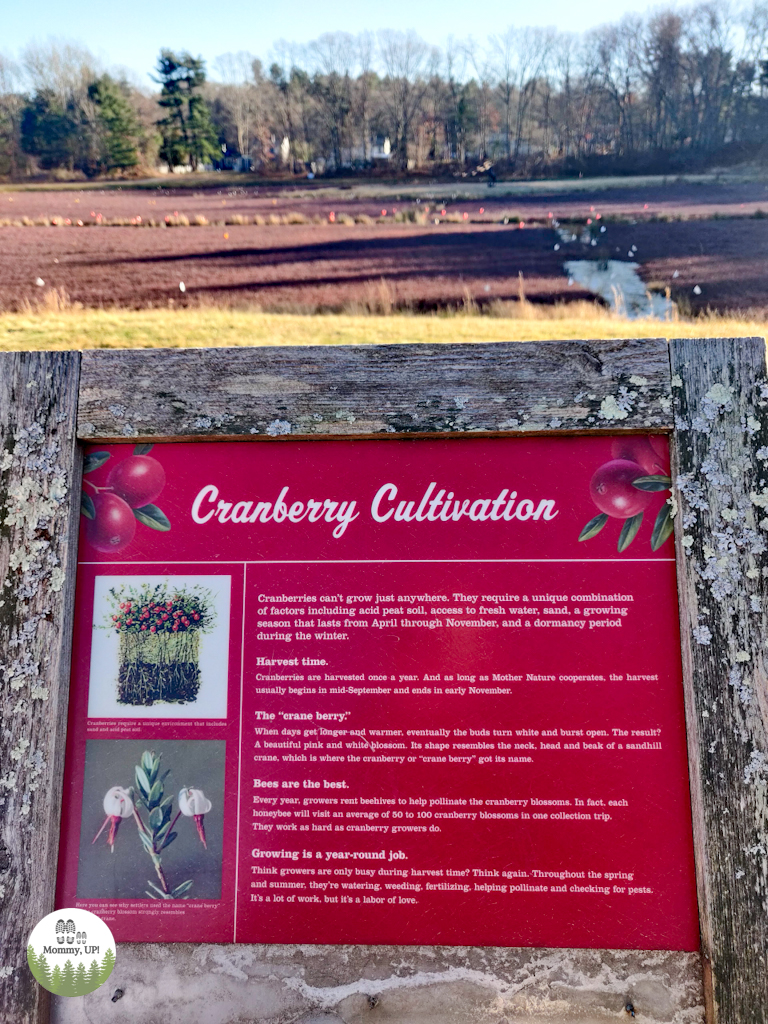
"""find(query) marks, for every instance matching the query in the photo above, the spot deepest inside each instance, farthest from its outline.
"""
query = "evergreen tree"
(33, 962)
(56, 980)
(94, 976)
(49, 131)
(39, 966)
(43, 971)
(81, 979)
(68, 979)
(187, 130)
(117, 125)
(107, 964)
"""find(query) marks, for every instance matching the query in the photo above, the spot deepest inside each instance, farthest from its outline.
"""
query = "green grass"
(213, 327)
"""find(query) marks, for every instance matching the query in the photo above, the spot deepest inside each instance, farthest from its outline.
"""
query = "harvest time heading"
(434, 506)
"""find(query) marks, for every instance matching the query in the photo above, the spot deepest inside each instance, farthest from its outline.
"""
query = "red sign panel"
(380, 692)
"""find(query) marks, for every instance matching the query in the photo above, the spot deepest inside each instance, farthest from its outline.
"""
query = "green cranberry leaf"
(152, 516)
(143, 449)
(146, 840)
(629, 531)
(94, 460)
(656, 482)
(169, 840)
(87, 508)
(593, 527)
(157, 889)
(142, 782)
(155, 818)
(662, 528)
(155, 795)
(181, 889)
(147, 761)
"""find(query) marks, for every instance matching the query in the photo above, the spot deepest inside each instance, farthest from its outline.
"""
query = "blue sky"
(131, 34)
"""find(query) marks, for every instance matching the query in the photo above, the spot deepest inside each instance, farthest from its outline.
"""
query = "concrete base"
(209, 984)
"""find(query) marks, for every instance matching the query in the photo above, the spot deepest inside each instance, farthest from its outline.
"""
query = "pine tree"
(56, 980)
(107, 964)
(202, 135)
(68, 979)
(94, 976)
(49, 131)
(118, 126)
(187, 130)
(81, 980)
(43, 972)
(32, 959)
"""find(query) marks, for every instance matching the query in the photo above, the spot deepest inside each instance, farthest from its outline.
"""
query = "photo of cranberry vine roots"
(159, 633)
(624, 487)
(113, 510)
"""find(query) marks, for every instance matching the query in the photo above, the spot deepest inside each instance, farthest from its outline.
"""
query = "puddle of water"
(620, 285)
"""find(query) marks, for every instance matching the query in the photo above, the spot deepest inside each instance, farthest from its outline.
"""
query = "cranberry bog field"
(368, 248)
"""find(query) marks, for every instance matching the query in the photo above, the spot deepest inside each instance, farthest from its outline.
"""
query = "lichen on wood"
(721, 430)
(376, 389)
(39, 491)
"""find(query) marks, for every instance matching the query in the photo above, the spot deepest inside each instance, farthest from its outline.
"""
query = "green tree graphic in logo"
(94, 975)
(107, 964)
(68, 980)
(71, 953)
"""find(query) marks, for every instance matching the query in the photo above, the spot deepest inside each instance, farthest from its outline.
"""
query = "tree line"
(66, 979)
(672, 89)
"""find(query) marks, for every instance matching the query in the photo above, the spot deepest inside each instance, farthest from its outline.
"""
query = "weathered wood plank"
(720, 454)
(374, 389)
(409, 985)
(39, 494)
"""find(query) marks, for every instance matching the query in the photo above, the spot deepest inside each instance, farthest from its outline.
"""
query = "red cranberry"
(639, 450)
(612, 491)
(139, 479)
(114, 525)
(660, 445)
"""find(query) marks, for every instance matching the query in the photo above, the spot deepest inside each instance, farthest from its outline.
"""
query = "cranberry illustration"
(640, 450)
(612, 491)
(661, 446)
(114, 525)
(139, 479)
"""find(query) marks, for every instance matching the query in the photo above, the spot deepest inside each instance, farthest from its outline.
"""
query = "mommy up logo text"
(435, 505)
(71, 952)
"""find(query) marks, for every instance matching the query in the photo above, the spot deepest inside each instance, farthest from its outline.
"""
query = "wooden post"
(368, 390)
(39, 506)
(720, 465)
(720, 395)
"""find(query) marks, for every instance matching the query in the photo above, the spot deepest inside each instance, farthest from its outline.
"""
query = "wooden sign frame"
(709, 395)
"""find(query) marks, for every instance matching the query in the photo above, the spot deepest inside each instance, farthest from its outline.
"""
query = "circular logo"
(71, 952)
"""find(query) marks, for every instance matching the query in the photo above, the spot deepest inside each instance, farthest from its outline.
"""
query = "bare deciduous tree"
(333, 56)
(519, 58)
(238, 94)
(404, 56)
